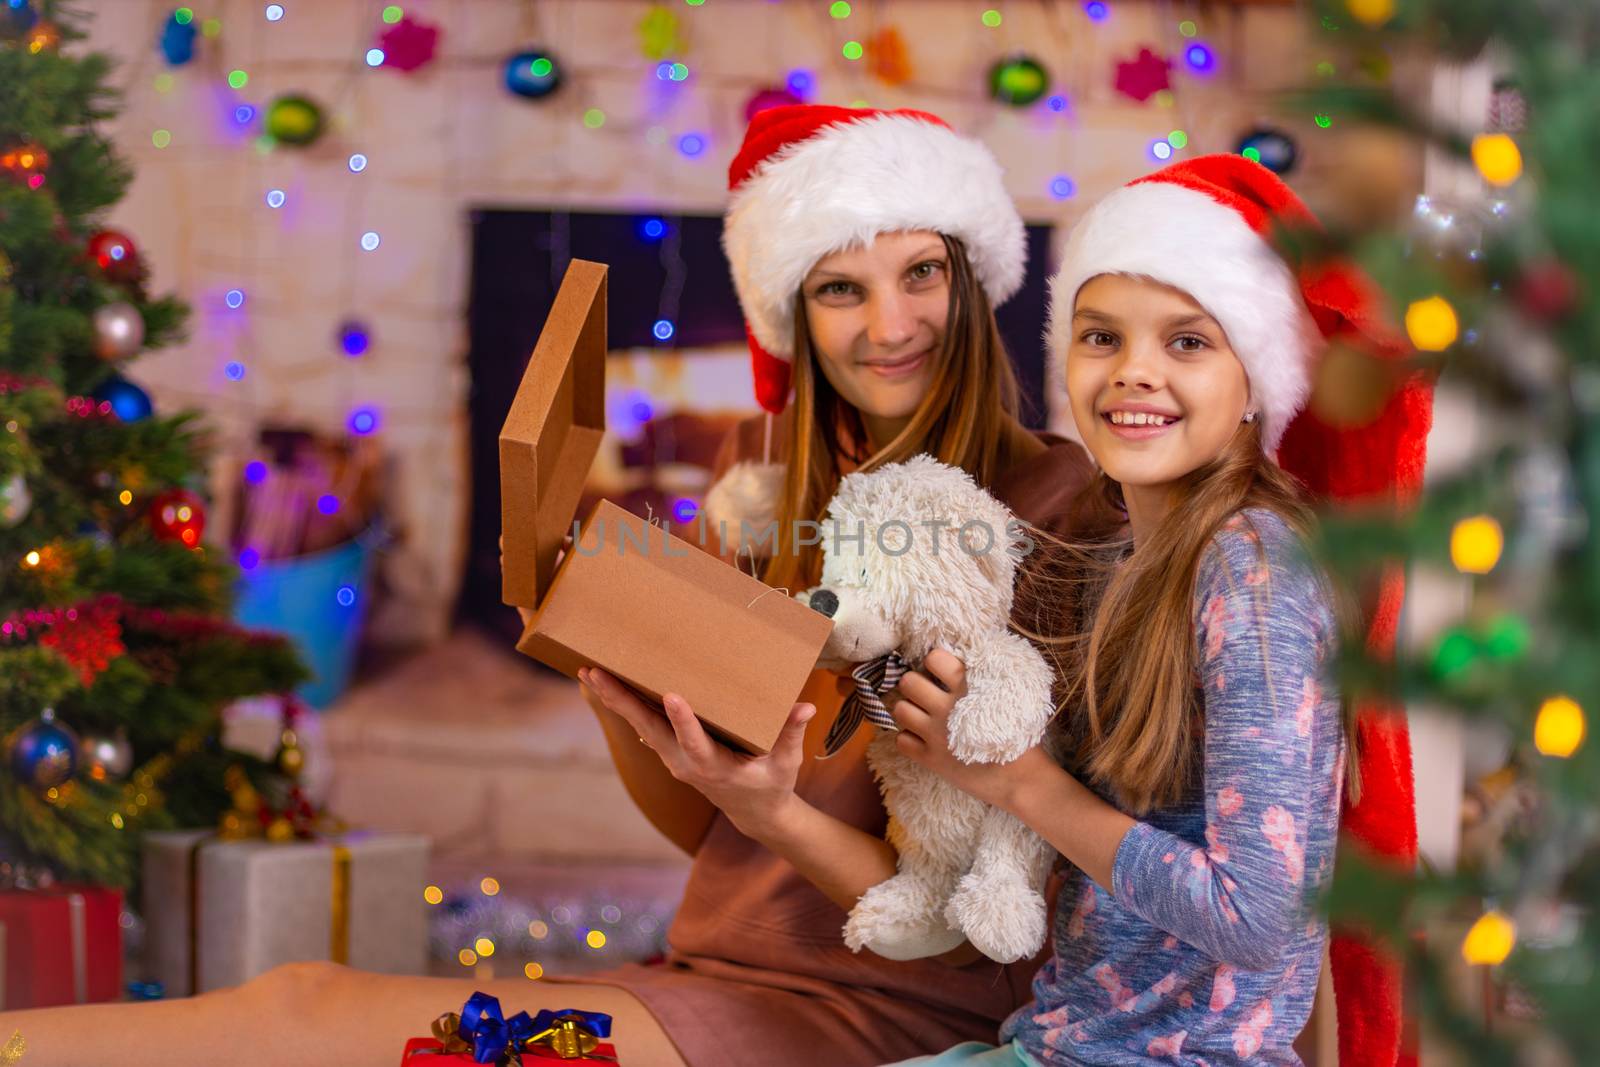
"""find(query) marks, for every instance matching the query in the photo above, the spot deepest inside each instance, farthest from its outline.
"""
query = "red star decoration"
(1143, 77)
(409, 45)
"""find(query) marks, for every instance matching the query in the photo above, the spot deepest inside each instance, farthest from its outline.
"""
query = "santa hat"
(1205, 226)
(811, 180)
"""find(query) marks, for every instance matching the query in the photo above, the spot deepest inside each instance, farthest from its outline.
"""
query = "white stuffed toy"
(933, 567)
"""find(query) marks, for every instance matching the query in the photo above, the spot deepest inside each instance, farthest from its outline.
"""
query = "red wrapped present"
(61, 945)
(481, 1034)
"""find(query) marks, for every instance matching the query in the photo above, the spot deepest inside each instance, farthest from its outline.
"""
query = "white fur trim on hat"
(846, 184)
(1183, 238)
(748, 493)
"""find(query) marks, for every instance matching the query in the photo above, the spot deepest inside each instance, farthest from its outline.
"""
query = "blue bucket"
(319, 602)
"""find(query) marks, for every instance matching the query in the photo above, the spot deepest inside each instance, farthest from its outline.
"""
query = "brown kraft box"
(655, 611)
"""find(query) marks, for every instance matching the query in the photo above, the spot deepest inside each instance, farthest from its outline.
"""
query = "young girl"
(868, 250)
(1207, 740)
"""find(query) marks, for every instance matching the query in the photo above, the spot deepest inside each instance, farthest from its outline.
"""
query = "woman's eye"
(834, 289)
(923, 271)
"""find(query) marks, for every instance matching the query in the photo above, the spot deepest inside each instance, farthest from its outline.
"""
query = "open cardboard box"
(654, 611)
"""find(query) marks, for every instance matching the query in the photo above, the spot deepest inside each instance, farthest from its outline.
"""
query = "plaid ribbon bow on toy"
(873, 679)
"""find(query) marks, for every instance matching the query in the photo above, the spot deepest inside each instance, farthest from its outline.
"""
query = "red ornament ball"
(178, 515)
(1547, 291)
(115, 255)
(768, 98)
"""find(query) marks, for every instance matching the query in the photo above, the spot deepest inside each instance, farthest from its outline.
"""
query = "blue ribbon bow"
(491, 1034)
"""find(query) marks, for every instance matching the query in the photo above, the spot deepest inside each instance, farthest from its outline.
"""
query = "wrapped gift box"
(480, 1033)
(221, 912)
(429, 1052)
(61, 945)
(656, 612)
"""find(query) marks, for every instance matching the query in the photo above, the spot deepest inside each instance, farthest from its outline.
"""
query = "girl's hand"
(921, 707)
(753, 791)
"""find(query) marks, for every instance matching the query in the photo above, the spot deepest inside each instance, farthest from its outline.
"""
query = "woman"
(868, 250)
(1208, 741)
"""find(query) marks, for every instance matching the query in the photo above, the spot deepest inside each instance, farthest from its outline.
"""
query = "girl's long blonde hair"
(1118, 624)
(965, 420)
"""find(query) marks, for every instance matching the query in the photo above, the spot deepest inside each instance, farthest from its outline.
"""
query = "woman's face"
(1156, 390)
(876, 316)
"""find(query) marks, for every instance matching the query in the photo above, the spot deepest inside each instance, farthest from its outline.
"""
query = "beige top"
(757, 970)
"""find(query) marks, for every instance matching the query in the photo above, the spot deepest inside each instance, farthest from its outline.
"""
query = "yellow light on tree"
(1490, 940)
(1431, 324)
(596, 939)
(533, 970)
(485, 947)
(1497, 158)
(490, 887)
(1476, 544)
(433, 894)
(1559, 729)
(1373, 13)
(467, 957)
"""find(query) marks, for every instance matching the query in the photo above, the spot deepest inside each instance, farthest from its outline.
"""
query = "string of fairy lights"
(1016, 80)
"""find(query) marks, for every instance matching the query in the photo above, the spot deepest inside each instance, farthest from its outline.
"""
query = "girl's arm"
(1272, 766)
(1261, 630)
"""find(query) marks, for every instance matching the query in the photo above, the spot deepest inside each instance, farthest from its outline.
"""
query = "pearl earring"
(1249, 416)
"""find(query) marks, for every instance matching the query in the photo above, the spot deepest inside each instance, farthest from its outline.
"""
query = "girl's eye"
(1189, 343)
(1099, 338)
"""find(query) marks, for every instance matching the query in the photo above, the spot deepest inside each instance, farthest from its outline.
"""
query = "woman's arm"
(673, 807)
(756, 793)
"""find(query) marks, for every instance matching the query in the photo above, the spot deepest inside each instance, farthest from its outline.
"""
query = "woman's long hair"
(965, 420)
(1118, 622)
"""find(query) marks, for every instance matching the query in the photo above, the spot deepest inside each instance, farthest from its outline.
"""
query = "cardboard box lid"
(552, 433)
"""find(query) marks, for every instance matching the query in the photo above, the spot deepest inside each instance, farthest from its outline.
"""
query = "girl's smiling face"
(876, 317)
(1155, 389)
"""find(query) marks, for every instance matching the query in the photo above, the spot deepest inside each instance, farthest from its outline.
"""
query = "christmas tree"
(116, 653)
(1494, 282)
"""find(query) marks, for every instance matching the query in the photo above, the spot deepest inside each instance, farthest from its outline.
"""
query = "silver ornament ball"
(15, 500)
(118, 330)
(107, 758)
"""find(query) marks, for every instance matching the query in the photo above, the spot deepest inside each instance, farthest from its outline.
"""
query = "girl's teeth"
(1137, 418)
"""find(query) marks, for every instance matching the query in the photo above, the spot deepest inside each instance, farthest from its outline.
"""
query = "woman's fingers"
(692, 737)
(793, 736)
(651, 727)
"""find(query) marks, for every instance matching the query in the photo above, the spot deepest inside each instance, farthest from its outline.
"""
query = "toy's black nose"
(825, 601)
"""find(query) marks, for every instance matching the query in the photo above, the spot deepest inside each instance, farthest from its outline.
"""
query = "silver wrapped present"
(219, 912)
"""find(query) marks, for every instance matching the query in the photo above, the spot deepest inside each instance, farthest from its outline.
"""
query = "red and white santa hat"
(1206, 226)
(811, 180)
